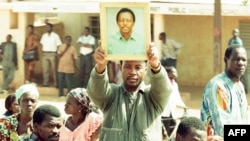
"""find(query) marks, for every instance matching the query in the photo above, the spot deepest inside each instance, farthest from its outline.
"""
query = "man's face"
(28, 103)
(161, 37)
(236, 64)
(193, 135)
(49, 28)
(85, 32)
(48, 130)
(133, 73)
(125, 22)
(8, 38)
(30, 30)
(67, 41)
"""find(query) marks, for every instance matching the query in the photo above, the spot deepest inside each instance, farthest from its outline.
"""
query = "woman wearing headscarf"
(83, 124)
(14, 127)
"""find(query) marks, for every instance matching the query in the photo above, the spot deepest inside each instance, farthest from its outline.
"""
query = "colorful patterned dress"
(223, 102)
(8, 129)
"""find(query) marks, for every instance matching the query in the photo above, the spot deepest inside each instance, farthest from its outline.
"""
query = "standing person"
(170, 114)
(235, 39)
(83, 124)
(224, 98)
(66, 64)
(170, 50)
(31, 44)
(11, 106)
(86, 44)
(9, 62)
(46, 122)
(132, 110)
(13, 127)
(50, 41)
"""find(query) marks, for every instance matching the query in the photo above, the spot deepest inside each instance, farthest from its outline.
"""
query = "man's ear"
(35, 127)
(225, 59)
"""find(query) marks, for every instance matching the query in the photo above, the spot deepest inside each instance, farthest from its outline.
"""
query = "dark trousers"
(168, 62)
(85, 69)
(62, 77)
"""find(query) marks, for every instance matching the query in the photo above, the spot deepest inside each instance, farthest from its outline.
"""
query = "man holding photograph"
(126, 41)
(132, 110)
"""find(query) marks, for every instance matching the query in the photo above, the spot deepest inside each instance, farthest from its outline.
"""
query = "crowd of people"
(126, 110)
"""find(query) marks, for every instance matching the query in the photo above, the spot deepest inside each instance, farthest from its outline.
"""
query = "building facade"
(188, 22)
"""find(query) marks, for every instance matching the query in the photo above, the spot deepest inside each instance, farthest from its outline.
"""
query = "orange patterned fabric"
(222, 99)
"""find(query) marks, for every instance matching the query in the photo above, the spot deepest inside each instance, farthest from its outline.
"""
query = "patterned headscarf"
(80, 95)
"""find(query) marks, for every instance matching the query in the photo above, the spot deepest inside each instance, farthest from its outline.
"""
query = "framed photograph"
(125, 30)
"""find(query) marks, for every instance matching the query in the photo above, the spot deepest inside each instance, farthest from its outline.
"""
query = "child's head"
(11, 104)
(172, 72)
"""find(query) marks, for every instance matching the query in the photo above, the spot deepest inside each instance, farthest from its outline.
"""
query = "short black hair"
(123, 10)
(9, 35)
(43, 110)
(87, 28)
(163, 34)
(31, 26)
(9, 100)
(190, 122)
(68, 37)
(50, 25)
(230, 50)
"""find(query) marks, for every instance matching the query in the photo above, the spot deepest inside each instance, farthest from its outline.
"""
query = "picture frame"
(114, 30)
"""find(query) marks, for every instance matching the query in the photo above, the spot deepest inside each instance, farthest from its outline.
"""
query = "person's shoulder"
(217, 81)
(91, 36)
(54, 33)
(8, 122)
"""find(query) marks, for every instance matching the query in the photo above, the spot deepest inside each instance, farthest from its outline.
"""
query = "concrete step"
(48, 90)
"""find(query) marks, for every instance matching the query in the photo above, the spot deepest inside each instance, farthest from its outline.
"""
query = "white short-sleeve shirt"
(50, 42)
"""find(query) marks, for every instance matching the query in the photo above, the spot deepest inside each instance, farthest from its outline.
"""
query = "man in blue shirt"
(235, 39)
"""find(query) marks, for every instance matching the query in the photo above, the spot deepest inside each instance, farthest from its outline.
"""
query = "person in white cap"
(16, 126)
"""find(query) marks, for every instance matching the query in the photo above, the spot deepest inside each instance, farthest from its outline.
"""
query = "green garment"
(127, 116)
